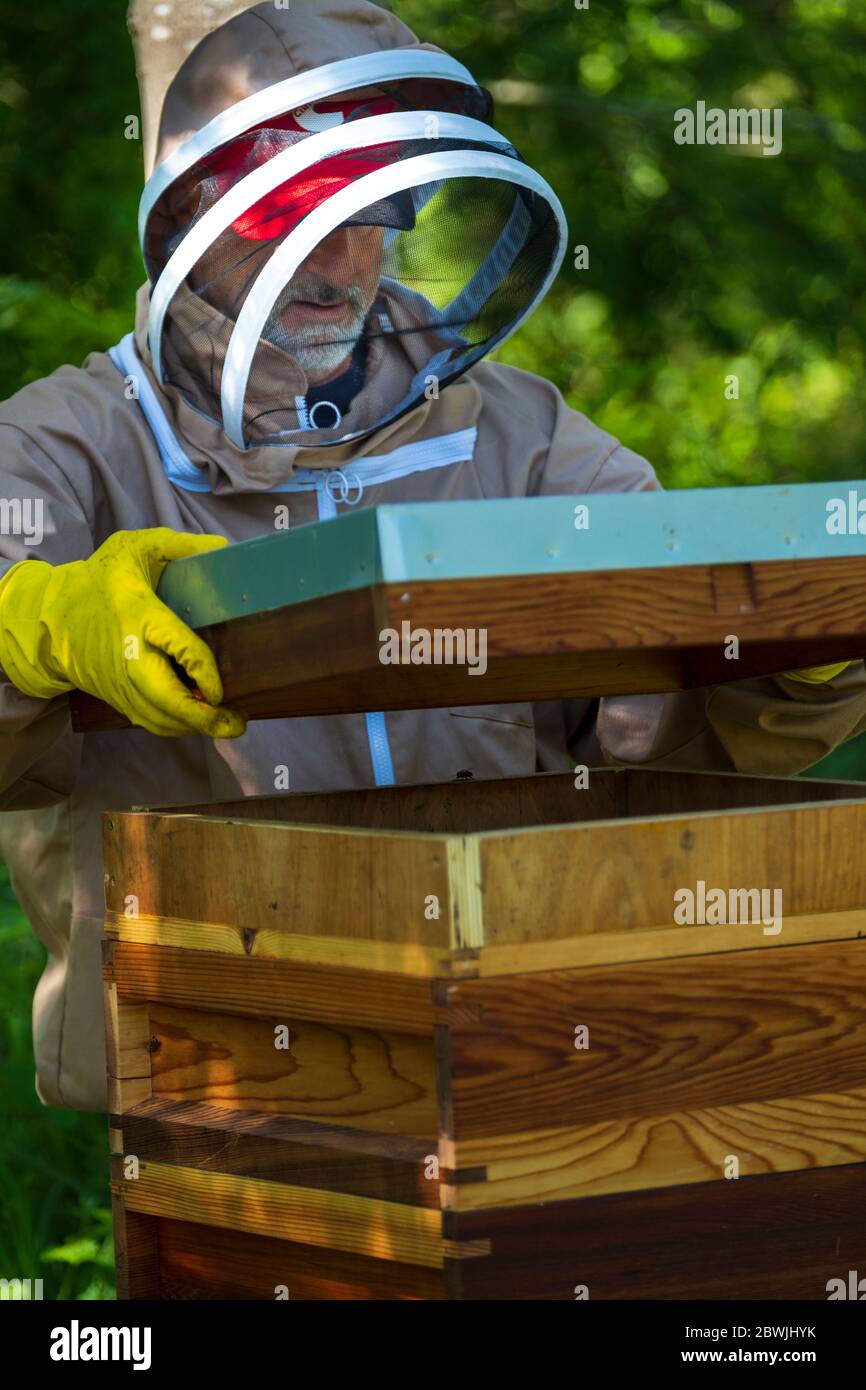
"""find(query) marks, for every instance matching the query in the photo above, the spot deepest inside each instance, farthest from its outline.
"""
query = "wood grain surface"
(274, 1147)
(466, 806)
(262, 988)
(136, 1251)
(334, 1220)
(413, 1040)
(127, 1041)
(362, 1078)
(769, 1238)
(548, 636)
(208, 1262)
(650, 1151)
(664, 1036)
(662, 942)
(350, 898)
(252, 878)
(618, 876)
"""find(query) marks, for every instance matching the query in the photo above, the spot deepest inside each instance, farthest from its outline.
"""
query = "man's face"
(320, 314)
(325, 304)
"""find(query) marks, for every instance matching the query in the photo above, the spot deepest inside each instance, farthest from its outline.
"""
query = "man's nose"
(332, 258)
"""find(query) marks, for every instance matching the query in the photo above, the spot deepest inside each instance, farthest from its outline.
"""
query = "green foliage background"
(704, 262)
(55, 1224)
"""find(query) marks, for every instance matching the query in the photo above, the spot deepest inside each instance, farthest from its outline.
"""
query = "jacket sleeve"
(43, 516)
(767, 726)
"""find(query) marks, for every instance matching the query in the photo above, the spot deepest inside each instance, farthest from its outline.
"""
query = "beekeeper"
(335, 237)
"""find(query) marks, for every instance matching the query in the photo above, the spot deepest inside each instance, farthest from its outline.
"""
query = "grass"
(55, 1219)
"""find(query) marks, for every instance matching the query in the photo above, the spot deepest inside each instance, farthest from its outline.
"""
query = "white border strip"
(371, 130)
(371, 470)
(334, 79)
(278, 271)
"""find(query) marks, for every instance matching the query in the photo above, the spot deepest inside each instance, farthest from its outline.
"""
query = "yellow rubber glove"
(97, 625)
(817, 675)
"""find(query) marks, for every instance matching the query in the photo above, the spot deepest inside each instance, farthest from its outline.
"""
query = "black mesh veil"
(321, 272)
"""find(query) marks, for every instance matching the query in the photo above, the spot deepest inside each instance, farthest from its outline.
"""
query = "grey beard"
(318, 348)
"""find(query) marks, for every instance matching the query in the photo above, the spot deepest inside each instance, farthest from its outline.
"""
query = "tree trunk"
(163, 34)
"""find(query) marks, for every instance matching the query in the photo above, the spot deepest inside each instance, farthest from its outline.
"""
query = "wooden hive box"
(510, 1073)
(648, 596)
